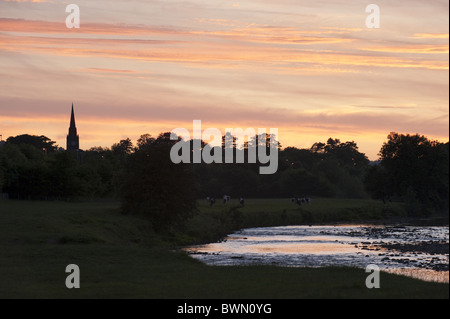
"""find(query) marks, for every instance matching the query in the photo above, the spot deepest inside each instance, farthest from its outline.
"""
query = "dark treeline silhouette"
(411, 168)
(336, 170)
(31, 167)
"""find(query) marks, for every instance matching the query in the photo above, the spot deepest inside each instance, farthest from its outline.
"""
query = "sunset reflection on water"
(279, 245)
(316, 246)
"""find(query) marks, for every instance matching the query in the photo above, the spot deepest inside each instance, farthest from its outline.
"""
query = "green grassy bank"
(220, 220)
(121, 257)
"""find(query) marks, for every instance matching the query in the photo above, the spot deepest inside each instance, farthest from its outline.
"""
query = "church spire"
(73, 140)
(72, 119)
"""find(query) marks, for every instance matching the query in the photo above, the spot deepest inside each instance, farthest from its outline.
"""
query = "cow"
(301, 201)
(211, 200)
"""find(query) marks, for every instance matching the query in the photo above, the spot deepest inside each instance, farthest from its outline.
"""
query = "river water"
(417, 251)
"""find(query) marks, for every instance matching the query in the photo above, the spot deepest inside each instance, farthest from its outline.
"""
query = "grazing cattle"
(241, 201)
(226, 199)
(301, 201)
(211, 200)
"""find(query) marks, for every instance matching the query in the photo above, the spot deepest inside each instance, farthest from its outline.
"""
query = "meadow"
(120, 256)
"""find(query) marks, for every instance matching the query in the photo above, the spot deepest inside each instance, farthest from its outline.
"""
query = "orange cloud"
(279, 35)
(430, 36)
(210, 53)
(211, 48)
(413, 48)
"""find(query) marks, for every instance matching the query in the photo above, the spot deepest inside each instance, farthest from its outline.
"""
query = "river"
(417, 251)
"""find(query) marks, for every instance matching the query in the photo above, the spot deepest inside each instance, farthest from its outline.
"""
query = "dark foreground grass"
(120, 257)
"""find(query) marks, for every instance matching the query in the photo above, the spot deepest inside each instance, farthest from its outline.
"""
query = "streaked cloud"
(416, 48)
(311, 69)
(182, 46)
(430, 36)
(33, 1)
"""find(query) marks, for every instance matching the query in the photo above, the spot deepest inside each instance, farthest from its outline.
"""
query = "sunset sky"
(312, 69)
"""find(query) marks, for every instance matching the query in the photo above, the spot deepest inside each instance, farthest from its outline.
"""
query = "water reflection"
(422, 274)
(394, 249)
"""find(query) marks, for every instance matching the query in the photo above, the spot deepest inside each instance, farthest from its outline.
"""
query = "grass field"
(121, 257)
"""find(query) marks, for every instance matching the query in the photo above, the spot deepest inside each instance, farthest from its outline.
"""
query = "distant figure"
(226, 199)
(241, 201)
(212, 201)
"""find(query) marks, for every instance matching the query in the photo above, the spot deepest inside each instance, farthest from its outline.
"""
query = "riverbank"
(121, 257)
(214, 223)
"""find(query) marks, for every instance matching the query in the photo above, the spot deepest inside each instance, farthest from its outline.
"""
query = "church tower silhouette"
(73, 140)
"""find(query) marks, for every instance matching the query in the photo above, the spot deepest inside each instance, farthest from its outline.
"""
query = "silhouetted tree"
(123, 148)
(415, 169)
(154, 187)
(42, 142)
(144, 141)
(347, 154)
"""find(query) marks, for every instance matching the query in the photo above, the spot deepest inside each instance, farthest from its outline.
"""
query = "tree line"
(411, 168)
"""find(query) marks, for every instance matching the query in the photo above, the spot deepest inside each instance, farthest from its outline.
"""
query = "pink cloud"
(33, 1)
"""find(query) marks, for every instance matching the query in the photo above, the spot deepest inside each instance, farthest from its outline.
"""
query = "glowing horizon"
(313, 71)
